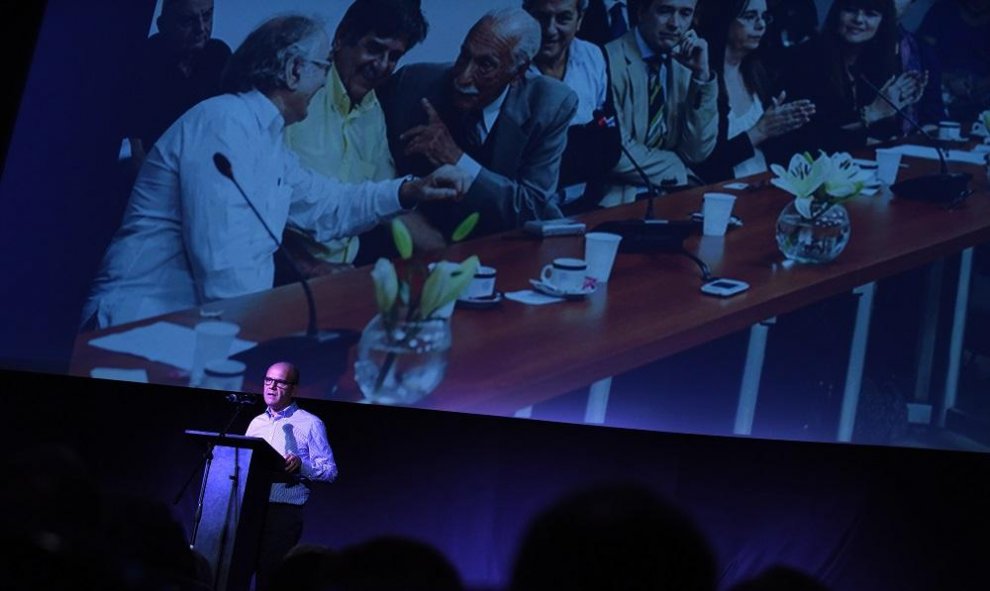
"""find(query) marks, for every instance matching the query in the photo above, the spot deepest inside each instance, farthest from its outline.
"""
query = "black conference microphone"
(943, 187)
(646, 234)
(315, 353)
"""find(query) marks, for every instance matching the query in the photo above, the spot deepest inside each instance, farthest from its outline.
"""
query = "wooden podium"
(232, 505)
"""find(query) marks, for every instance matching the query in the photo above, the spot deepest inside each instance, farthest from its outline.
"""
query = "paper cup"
(213, 341)
(888, 165)
(600, 249)
(716, 209)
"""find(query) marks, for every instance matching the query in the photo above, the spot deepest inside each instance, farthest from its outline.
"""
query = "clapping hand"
(903, 90)
(781, 118)
(432, 140)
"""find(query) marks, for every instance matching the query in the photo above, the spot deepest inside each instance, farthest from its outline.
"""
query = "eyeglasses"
(322, 63)
(280, 384)
(751, 16)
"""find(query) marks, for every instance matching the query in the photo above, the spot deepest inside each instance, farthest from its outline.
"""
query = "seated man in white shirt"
(593, 147)
(189, 237)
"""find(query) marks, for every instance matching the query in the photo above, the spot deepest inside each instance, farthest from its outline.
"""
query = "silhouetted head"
(618, 537)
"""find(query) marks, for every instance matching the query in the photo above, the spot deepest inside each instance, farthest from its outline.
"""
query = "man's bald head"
(496, 51)
(516, 26)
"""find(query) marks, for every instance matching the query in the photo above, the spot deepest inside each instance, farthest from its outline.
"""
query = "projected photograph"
(752, 217)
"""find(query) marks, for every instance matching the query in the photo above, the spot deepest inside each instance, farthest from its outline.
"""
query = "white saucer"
(547, 289)
(481, 303)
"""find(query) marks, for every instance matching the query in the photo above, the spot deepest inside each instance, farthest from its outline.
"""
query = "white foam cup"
(213, 341)
(716, 209)
(600, 249)
(888, 165)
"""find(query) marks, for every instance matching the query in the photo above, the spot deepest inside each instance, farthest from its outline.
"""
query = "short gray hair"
(582, 5)
(260, 62)
(520, 26)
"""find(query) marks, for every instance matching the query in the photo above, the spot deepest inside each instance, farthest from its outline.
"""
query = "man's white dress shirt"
(188, 236)
(301, 433)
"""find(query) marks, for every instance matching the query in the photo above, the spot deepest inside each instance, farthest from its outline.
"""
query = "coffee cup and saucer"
(480, 293)
(565, 278)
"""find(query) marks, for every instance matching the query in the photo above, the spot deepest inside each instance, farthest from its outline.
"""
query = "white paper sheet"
(119, 374)
(931, 154)
(531, 297)
(161, 342)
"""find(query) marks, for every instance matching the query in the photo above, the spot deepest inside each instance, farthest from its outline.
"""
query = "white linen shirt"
(293, 430)
(587, 76)
(188, 236)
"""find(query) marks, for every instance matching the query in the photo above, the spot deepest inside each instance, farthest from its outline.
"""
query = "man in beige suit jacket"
(690, 111)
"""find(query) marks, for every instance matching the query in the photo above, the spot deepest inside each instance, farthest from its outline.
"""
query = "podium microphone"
(246, 398)
(943, 187)
(307, 352)
(646, 234)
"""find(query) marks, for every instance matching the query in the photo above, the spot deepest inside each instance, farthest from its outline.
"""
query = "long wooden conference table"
(515, 355)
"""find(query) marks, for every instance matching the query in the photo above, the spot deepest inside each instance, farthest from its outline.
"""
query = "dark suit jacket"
(520, 159)
(595, 26)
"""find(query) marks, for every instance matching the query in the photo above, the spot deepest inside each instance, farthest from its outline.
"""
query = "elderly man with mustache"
(487, 115)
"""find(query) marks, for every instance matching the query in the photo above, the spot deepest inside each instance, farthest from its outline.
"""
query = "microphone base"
(321, 359)
(938, 188)
(646, 236)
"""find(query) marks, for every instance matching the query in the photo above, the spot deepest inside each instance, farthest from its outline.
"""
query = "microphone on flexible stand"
(314, 353)
(943, 187)
(646, 234)
(246, 398)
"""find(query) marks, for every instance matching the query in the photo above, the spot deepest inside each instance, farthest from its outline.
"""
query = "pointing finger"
(431, 113)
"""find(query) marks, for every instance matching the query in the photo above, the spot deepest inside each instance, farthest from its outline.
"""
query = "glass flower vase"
(815, 240)
(402, 364)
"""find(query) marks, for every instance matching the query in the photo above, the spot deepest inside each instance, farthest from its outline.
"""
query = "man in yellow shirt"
(344, 135)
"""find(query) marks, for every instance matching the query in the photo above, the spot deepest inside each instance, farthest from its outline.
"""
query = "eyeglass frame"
(278, 383)
(325, 64)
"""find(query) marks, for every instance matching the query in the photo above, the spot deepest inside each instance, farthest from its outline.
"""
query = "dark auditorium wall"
(59, 206)
(858, 517)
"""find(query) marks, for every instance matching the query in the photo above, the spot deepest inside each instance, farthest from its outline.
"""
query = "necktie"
(617, 21)
(473, 129)
(657, 96)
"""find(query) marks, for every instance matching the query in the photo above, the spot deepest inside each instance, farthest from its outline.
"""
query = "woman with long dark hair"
(842, 72)
(752, 114)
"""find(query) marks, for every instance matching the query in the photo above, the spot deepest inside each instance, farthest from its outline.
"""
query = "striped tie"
(658, 124)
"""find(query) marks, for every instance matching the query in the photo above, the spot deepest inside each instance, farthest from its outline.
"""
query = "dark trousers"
(281, 532)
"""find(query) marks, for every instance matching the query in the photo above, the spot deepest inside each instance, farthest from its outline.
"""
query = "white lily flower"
(386, 284)
(445, 284)
(818, 183)
(803, 175)
(845, 178)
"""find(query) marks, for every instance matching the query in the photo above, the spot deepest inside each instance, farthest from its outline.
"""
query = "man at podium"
(302, 439)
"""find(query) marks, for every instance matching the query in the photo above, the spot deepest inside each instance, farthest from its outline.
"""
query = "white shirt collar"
(285, 412)
(490, 113)
(269, 117)
(644, 50)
